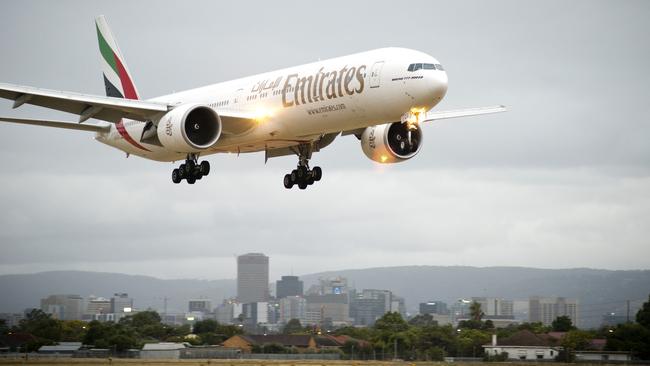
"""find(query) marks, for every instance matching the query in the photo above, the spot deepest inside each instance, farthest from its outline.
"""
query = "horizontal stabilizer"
(57, 124)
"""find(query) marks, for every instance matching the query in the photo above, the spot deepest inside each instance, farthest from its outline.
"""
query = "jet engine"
(189, 128)
(391, 142)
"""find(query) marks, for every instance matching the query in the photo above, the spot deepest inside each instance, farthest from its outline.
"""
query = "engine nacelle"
(389, 143)
(189, 128)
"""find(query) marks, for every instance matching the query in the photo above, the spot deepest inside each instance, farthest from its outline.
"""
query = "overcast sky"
(561, 180)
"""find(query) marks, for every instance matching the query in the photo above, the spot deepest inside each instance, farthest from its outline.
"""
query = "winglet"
(117, 78)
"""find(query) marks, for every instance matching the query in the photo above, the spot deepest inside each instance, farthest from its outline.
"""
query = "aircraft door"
(375, 74)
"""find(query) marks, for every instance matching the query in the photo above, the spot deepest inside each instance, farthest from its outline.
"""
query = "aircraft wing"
(85, 105)
(58, 124)
(435, 115)
(104, 108)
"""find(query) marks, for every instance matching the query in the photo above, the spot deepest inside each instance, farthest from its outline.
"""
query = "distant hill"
(21, 291)
(599, 291)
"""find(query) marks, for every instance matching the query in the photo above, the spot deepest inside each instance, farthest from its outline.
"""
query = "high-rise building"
(398, 305)
(227, 312)
(547, 309)
(492, 306)
(252, 278)
(333, 308)
(98, 305)
(433, 307)
(64, 307)
(370, 305)
(288, 286)
(293, 307)
(460, 309)
(121, 303)
(329, 286)
(200, 306)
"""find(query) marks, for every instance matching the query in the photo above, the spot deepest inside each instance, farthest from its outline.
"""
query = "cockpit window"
(416, 67)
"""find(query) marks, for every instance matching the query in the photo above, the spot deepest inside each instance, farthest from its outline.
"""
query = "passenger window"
(429, 67)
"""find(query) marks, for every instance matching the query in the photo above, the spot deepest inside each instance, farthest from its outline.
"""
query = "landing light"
(384, 158)
(262, 114)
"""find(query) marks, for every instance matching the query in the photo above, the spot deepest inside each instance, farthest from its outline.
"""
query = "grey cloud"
(566, 170)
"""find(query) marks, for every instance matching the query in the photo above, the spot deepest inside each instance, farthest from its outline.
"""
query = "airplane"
(380, 96)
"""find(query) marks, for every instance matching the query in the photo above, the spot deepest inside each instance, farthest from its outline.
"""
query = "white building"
(524, 345)
(547, 309)
(162, 350)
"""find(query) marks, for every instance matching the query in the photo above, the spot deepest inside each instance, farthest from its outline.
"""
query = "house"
(342, 339)
(246, 342)
(524, 345)
(169, 350)
(62, 348)
(14, 341)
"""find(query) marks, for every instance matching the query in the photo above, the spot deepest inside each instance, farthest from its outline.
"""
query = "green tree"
(576, 340)
(391, 322)
(475, 311)
(206, 326)
(630, 337)
(142, 319)
(392, 331)
(562, 324)
(41, 325)
(535, 327)
(293, 326)
(4, 329)
(211, 338)
(73, 330)
(643, 315)
(122, 341)
(433, 338)
(422, 320)
(354, 332)
(471, 341)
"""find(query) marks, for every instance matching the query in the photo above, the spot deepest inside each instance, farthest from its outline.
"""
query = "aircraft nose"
(438, 85)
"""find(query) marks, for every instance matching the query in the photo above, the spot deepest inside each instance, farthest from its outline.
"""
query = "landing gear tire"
(302, 185)
(317, 173)
(302, 172)
(176, 176)
(191, 180)
(189, 168)
(288, 182)
(205, 167)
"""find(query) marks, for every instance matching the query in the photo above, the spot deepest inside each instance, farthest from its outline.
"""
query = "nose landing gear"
(191, 170)
(302, 176)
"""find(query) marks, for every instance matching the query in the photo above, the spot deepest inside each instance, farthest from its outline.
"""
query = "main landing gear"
(302, 176)
(191, 170)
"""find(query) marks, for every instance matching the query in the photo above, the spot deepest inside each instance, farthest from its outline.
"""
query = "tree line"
(420, 338)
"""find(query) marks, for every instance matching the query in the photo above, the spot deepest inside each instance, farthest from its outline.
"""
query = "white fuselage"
(302, 103)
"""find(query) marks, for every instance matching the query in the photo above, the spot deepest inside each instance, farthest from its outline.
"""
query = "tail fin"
(117, 78)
